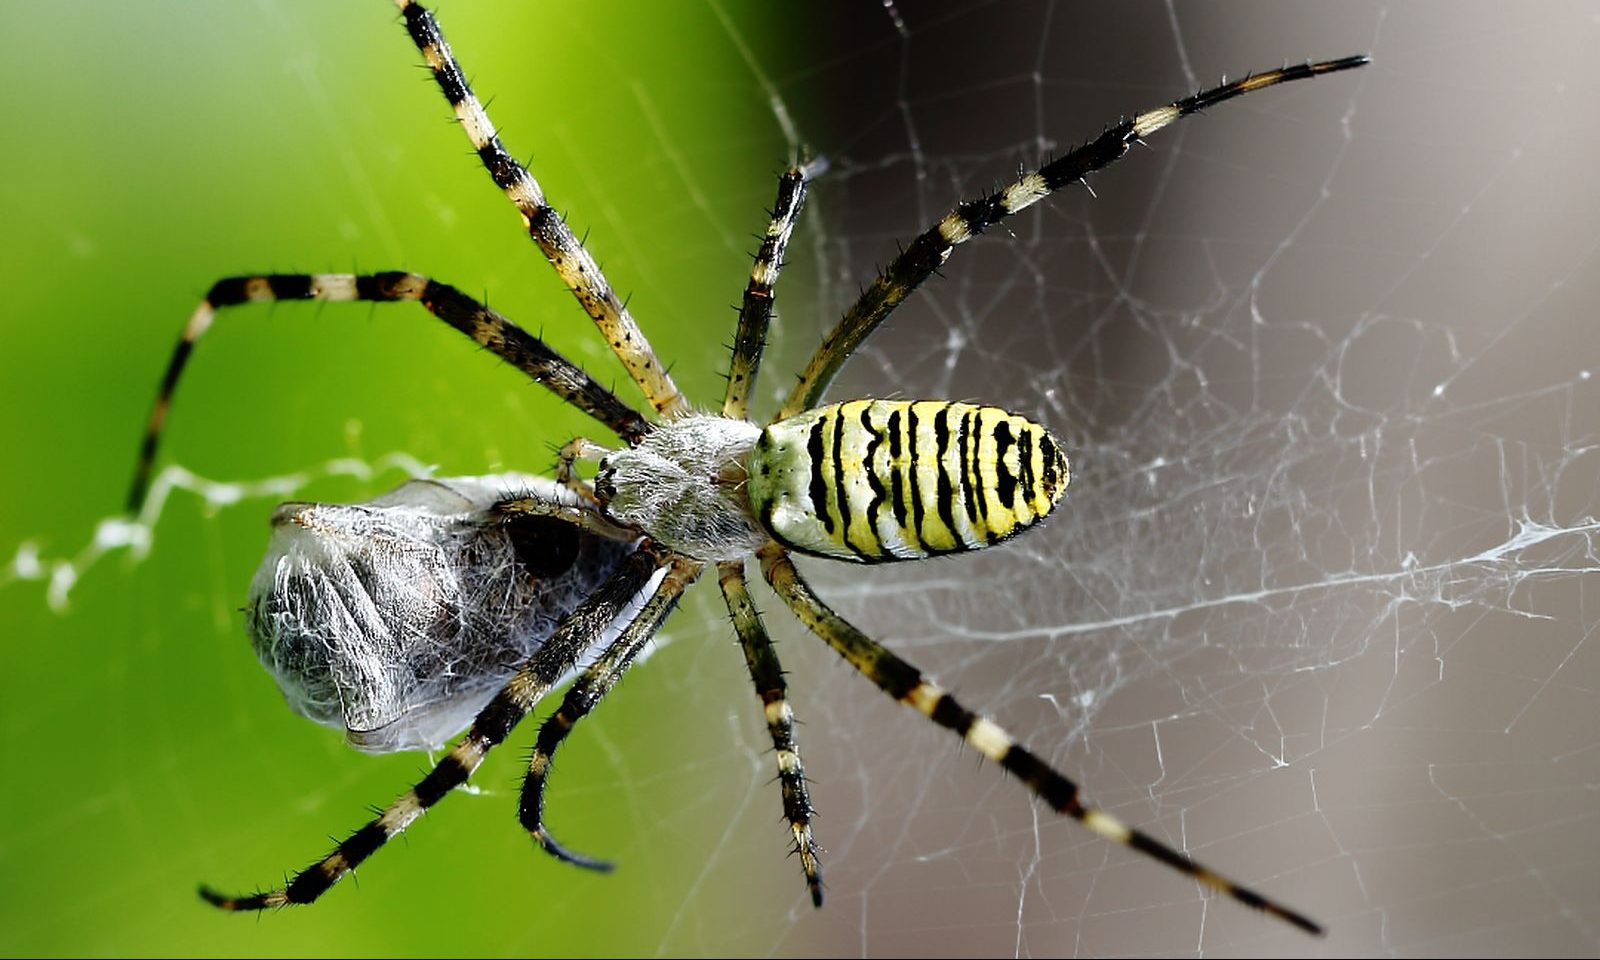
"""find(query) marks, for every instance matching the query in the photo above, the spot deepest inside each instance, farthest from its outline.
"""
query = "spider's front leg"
(576, 634)
(489, 329)
(572, 262)
(585, 694)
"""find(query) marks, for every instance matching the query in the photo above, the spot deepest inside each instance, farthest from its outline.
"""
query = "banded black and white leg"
(767, 674)
(761, 659)
(906, 684)
(584, 695)
(928, 252)
(576, 634)
(488, 329)
(755, 310)
(577, 269)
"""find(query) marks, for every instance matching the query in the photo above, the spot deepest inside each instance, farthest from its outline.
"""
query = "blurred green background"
(1261, 305)
(155, 147)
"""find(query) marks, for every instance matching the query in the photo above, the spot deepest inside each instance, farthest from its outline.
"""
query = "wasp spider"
(521, 582)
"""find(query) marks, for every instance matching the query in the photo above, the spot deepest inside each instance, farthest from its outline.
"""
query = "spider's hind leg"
(925, 254)
(906, 684)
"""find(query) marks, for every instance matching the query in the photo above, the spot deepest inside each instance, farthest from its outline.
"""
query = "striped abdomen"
(878, 480)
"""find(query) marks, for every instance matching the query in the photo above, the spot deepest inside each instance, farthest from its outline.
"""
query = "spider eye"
(546, 547)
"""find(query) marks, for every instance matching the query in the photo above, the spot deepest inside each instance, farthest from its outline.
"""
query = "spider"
(534, 580)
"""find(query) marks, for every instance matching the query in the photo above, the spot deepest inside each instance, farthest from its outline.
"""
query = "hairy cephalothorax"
(685, 483)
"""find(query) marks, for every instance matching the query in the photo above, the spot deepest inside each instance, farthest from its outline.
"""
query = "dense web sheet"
(1319, 609)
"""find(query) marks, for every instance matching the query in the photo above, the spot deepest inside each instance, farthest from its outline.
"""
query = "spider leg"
(767, 674)
(928, 252)
(489, 329)
(755, 314)
(577, 269)
(588, 520)
(906, 683)
(585, 694)
(542, 671)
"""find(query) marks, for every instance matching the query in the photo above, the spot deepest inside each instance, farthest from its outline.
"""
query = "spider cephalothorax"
(685, 483)
(473, 597)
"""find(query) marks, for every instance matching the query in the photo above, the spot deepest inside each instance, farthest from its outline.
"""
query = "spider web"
(1316, 610)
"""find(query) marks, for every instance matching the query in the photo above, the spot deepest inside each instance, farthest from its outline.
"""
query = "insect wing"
(397, 619)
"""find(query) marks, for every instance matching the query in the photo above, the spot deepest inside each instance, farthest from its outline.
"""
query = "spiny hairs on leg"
(928, 252)
(576, 634)
(761, 659)
(906, 683)
(577, 269)
(766, 673)
(755, 312)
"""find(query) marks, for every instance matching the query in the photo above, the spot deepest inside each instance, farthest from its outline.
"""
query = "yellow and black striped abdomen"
(877, 480)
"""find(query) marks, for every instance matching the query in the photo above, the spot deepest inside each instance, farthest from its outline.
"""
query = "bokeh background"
(157, 147)
(1321, 610)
